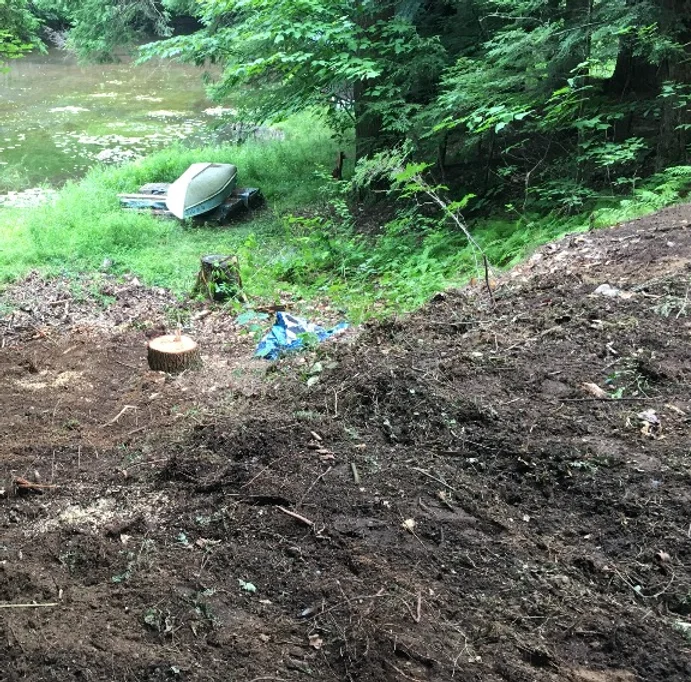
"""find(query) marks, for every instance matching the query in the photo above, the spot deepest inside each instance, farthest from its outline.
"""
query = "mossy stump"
(173, 353)
(219, 278)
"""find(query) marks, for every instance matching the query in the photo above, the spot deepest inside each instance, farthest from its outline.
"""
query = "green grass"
(318, 255)
(12, 178)
(87, 224)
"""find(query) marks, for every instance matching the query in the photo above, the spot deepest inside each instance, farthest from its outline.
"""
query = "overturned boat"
(200, 189)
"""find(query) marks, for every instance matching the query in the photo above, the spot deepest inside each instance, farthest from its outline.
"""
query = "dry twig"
(487, 282)
(127, 408)
(299, 517)
(23, 484)
(434, 478)
(316, 480)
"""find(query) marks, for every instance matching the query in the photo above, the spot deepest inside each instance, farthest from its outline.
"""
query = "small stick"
(361, 597)
(418, 614)
(304, 520)
(40, 334)
(28, 606)
(402, 674)
(604, 400)
(55, 410)
(137, 430)
(487, 284)
(29, 485)
(684, 304)
(127, 408)
(145, 462)
(316, 480)
(124, 364)
(356, 475)
(266, 468)
(434, 478)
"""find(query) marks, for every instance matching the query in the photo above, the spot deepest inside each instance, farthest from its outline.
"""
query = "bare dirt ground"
(477, 492)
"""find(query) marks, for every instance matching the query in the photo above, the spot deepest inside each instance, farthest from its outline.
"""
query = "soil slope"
(482, 491)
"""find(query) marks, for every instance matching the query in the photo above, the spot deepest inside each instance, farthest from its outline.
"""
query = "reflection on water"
(58, 118)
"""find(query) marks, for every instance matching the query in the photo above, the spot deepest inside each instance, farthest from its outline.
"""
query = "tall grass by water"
(86, 224)
(304, 241)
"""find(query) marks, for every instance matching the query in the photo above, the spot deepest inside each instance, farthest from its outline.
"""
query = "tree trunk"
(633, 74)
(368, 125)
(675, 116)
(633, 78)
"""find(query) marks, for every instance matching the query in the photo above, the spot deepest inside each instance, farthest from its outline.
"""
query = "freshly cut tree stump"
(219, 278)
(173, 353)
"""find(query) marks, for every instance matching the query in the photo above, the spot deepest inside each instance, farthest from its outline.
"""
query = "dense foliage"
(538, 104)
(546, 103)
(18, 29)
(96, 28)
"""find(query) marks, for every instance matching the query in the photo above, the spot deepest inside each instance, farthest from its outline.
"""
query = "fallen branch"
(605, 400)
(454, 215)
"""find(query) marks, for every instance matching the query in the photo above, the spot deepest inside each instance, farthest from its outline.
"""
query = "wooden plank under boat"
(152, 198)
(201, 188)
(143, 200)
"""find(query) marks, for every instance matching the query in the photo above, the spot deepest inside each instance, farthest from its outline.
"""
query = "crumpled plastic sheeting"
(286, 333)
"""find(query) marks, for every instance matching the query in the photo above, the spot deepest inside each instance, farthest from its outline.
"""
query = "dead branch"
(23, 484)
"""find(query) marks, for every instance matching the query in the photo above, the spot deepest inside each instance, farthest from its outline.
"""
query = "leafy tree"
(597, 90)
(365, 60)
(555, 102)
(18, 29)
(97, 28)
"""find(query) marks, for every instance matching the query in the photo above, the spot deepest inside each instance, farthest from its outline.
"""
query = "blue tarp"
(286, 335)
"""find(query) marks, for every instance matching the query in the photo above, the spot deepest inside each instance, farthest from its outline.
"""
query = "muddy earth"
(495, 488)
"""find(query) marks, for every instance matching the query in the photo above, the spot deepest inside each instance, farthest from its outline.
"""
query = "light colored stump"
(173, 353)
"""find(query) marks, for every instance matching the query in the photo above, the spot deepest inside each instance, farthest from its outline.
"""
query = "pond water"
(58, 118)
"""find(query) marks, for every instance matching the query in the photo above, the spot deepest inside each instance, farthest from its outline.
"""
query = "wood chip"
(594, 390)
